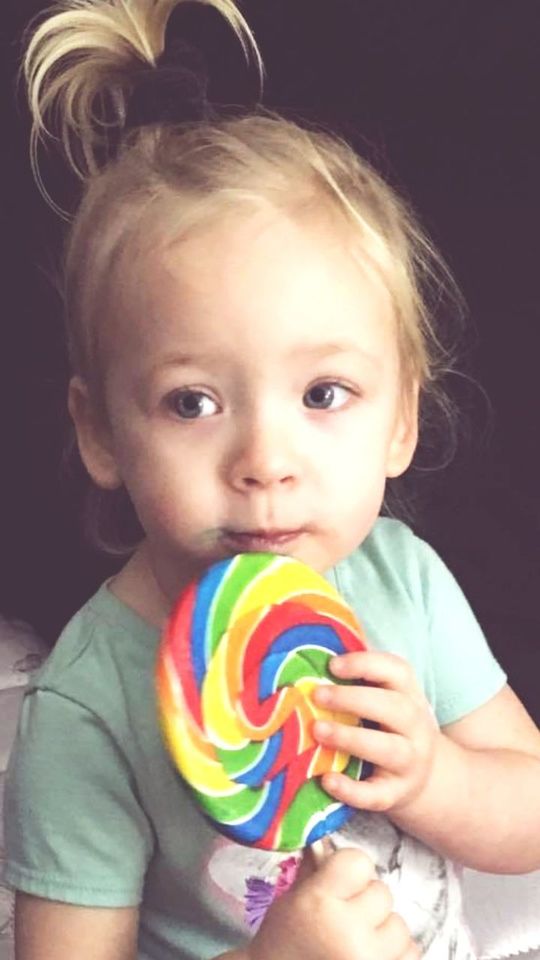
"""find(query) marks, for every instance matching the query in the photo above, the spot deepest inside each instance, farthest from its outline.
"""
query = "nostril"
(263, 482)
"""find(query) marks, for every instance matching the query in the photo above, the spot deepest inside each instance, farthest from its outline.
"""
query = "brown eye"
(192, 404)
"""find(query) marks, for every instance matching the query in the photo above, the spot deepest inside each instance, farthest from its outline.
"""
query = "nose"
(262, 458)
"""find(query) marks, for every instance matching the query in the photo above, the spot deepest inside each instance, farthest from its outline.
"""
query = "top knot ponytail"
(83, 62)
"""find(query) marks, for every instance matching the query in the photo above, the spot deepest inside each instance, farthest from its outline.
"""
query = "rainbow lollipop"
(242, 652)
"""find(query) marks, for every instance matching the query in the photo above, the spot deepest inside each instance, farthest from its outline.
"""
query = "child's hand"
(401, 748)
(340, 911)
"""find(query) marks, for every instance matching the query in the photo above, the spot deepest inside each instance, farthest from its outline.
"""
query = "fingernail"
(322, 694)
(330, 782)
(322, 729)
(337, 665)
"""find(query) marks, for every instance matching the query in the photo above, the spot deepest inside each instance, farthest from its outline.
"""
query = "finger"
(395, 939)
(375, 902)
(344, 875)
(373, 666)
(314, 857)
(389, 708)
(413, 953)
(322, 849)
(378, 794)
(390, 751)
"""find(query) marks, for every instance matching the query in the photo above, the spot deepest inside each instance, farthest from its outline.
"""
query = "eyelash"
(173, 398)
(332, 385)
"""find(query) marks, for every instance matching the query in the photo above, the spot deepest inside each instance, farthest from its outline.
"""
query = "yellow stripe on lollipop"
(326, 760)
(228, 730)
(194, 756)
(331, 606)
(224, 721)
(237, 638)
(218, 700)
(223, 684)
(280, 582)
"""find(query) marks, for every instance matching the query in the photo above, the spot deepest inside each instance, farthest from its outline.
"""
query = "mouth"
(261, 540)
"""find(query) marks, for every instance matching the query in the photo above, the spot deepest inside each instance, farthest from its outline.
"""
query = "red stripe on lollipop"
(179, 643)
(290, 745)
(295, 776)
(279, 618)
(258, 713)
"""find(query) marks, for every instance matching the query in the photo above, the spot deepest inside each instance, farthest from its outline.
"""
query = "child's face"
(254, 397)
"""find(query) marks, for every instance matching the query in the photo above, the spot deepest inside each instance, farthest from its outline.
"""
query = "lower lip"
(252, 543)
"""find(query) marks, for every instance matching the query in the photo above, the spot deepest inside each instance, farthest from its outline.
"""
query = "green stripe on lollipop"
(240, 574)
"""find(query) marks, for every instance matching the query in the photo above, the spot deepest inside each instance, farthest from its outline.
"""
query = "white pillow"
(503, 914)
(21, 651)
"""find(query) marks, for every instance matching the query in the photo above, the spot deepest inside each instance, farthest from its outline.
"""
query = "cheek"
(356, 484)
(359, 458)
(171, 494)
(164, 511)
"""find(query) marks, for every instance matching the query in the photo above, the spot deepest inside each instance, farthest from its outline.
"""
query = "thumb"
(343, 874)
(313, 857)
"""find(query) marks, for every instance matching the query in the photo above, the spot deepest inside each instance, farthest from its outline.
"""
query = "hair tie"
(172, 91)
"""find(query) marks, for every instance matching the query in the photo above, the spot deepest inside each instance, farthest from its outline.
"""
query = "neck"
(138, 587)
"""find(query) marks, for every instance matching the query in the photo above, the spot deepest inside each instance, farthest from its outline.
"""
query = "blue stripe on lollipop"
(205, 596)
(329, 824)
(255, 776)
(303, 635)
(253, 829)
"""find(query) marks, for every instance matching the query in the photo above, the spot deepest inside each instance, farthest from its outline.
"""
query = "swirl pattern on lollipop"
(242, 652)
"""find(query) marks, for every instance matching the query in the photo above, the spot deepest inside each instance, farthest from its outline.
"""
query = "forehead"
(264, 278)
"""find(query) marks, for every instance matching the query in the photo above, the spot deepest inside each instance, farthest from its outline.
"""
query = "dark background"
(444, 96)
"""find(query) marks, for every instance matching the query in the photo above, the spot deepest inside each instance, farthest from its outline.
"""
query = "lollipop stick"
(314, 856)
(321, 850)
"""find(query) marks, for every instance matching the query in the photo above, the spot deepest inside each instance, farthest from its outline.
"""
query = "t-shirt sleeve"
(465, 672)
(75, 831)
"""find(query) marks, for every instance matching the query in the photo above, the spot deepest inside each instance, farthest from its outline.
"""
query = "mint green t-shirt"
(97, 816)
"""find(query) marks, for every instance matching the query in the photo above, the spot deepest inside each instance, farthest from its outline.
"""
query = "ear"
(405, 437)
(93, 437)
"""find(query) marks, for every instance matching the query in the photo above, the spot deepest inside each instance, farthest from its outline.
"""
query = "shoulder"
(394, 544)
(99, 649)
(395, 568)
(391, 559)
(383, 582)
(410, 604)
(86, 736)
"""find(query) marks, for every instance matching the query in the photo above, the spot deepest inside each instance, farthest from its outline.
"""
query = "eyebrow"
(182, 360)
(323, 350)
(316, 351)
(320, 352)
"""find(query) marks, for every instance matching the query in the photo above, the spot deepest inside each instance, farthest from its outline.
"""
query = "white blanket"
(504, 914)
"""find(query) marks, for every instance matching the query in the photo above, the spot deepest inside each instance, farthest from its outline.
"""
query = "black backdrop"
(444, 96)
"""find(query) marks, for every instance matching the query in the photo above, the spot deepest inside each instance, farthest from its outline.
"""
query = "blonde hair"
(83, 56)
(165, 179)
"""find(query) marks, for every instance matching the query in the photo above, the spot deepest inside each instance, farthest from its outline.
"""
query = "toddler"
(251, 352)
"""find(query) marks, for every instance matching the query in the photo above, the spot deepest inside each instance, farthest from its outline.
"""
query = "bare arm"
(341, 910)
(481, 804)
(47, 930)
(470, 790)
